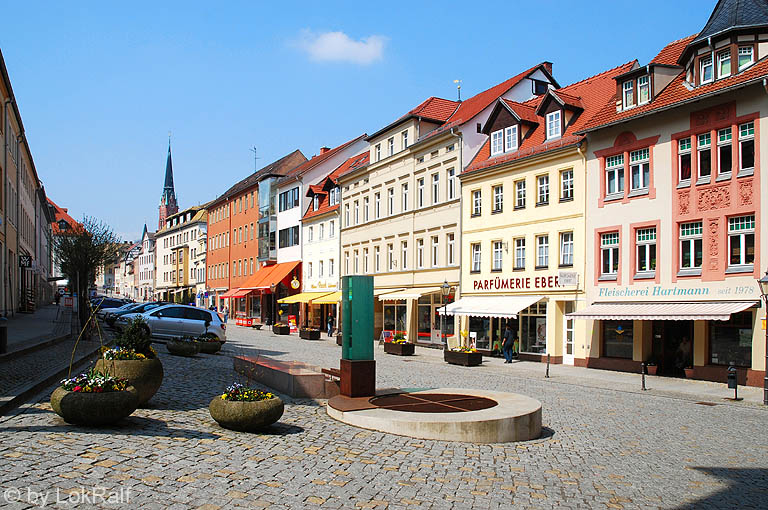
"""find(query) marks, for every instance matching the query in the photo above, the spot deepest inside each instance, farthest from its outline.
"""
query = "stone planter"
(688, 372)
(210, 346)
(309, 334)
(246, 416)
(94, 408)
(339, 339)
(281, 330)
(182, 348)
(652, 369)
(145, 375)
(406, 349)
(467, 359)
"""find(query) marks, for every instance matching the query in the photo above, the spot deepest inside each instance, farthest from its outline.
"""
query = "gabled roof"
(61, 214)
(331, 180)
(670, 53)
(525, 112)
(731, 15)
(562, 98)
(296, 173)
(434, 109)
(591, 93)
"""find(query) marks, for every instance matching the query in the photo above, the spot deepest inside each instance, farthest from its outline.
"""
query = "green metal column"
(357, 317)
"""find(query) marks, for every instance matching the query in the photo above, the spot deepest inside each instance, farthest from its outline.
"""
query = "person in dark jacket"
(507, 345)
(329, 323)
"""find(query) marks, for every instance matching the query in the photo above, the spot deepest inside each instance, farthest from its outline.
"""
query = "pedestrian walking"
(508, 345)
(226, 314)
(330, 323)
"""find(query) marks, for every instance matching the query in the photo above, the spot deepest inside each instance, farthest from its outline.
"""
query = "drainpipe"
(458, 236)
(18, 270)
(583, 155)
(765, 85)
(4, 255)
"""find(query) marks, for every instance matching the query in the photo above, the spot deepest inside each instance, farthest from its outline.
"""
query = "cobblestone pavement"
(602, 448)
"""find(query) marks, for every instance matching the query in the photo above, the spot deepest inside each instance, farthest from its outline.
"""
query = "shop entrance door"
(568, 334)
(672, 347)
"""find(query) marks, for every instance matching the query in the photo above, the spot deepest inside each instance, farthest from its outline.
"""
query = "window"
(745, 56)
(553, 124)
(420, 192)
(404, 255)
(309, 270)
(390, 257)
(476, 257)
(609, 255)
(747, 147)
(542, 251)
(705, 155)
(377, 205)
(705, 69)
(645, 242)
(519, 194)
(366, 203)
(724, 64)
(451, 243)
(566, 185)
(315, 202)
(331, 228)
(321, 231)
(346, 214)
(684, 159)
(289, 199)
(643, 90)
(377, 259)
(497, 141)
(498, 199)
(731, 341)
(691, 235)
(391, 145)
(365, 260)
(435, 251)
(628, 95)
(618, 341)
(542, 190)
(346, 262)
(404, 194)
(378, 152)
(639, 169)
(566, 249)
(741, 242)
(420, 253)
(510, 138)
(614, 175)
(310, 235)
(520, 253)
(320, 269)
(497, 255)
(391, 201)
(435, 188)
(330, 267)
(476, 203)
(724, 151)
(404, 139)
(357, 262)
(449, 148)
(288, 237)
(334, 196)
(451, 184)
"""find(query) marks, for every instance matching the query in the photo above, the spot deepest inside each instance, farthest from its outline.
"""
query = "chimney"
(323, 150)
(548, 66)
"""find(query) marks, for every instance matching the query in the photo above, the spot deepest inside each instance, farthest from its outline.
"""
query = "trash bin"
(3, 335)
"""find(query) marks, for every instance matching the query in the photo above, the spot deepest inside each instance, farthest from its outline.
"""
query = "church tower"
(168, 205)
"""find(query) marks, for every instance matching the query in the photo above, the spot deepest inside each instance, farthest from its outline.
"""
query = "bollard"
(547, 374)
(733, 382)
(3, 335)
(643, 370)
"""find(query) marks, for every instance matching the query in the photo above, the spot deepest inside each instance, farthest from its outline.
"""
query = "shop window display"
(533, 329)
(731, 341)
(618, 339)
(395, 317)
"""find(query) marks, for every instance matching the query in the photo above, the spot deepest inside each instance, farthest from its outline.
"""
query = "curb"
(26, 350)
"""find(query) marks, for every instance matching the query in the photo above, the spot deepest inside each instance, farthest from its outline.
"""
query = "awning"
(379, 292)
(303, 297)
(235, 293)
(490, 306)
(267, 276)
(329, 299)
(410, 293)
(711, 310)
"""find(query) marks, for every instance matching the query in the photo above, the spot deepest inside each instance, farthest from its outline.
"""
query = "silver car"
(173, 321)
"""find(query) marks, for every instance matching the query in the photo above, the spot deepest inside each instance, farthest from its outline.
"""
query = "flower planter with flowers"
(94, 398)
(281, 328)
(688, 372)
(245, 409)
(133, 359)
(309, 333)
(183, 346)
(209, 345)
(399, 346)
(463, 356)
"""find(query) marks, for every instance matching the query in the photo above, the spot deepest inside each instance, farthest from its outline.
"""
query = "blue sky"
(100, 84)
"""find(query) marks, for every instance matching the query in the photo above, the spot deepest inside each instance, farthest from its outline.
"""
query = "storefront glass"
(395, 314)
(617, 339)
(533, 328)
(731, 341)
(480, 332)
(255, 300)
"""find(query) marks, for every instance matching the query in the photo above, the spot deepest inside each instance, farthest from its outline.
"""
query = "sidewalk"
(46, 323)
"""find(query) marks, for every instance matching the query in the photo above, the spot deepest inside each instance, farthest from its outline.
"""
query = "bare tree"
(82, 251)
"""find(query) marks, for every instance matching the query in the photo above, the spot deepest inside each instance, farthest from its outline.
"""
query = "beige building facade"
(176, 248)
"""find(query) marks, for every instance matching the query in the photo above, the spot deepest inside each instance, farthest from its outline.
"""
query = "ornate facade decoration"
(745, 193)
(714, 226)
(684, 202)
(718, 197)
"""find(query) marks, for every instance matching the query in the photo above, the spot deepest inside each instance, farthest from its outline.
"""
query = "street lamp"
(445, 290)
(763, 282)
(273, 288)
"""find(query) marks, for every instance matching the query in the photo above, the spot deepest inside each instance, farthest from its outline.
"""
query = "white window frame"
(420, 253)
(435, 251)
(520, 253)
(554, 124)
(404, 139)
(435, 188)
(683, 148)
(331, 229)
(645, 237)
(377, 258)
(356, 258)
(451, 247)
(724, 139)
(476, 257)
(404, 195)
(566, 184)
(320, 269)
(614, 165)
(510, 138)
(477, 202)
(321, 231)
(420, 192)
(365, 261)
(566, 249)
(366, 205)
(520, 194)
(542, 251)
(310, 234)
(609, 247)
(498, 198)
(722, 56)
(643, 82)
(346, 214)
(315, 202)
(691, 232)
(497, 142)
(703, 148)
(542, 189)
(738, 229)
(639, 162)
(378, 152)
(704, 62)
(751, 52)
(498, 255)
(746, 135)
(377, 205)
(451, 192)
(391, 145)
(628, 94)
(357, 212)
(391, 256)
(404, 255)
(390, 201)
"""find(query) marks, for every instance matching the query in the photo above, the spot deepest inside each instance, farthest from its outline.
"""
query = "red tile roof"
(591, 93)
(675, 94)
(330, 181)
(316, 160)
(526, 111)
(671, 52)
(61, 214)
(435, 108)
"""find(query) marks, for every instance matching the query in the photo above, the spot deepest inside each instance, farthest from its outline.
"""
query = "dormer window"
(745, 56)
(497, 142)
(540, 87)
(705, 70)
(510, 139)
(628, 95)
(724, 64)
(315, 203)
(643, 89)
(334, 196)
(553, 125)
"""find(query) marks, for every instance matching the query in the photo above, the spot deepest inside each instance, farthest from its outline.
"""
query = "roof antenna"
(458, 88)
(255, 158)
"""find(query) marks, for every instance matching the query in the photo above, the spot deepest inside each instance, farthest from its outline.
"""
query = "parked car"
(102, 305)
(173, 321)
(112, 315)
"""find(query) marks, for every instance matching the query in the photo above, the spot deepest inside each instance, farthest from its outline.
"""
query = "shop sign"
(295, 283)
(524, 283)
(568, 278)
(676, 291)
(25, 261)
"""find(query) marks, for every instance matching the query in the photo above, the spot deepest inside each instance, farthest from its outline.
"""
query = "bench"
(332, 372)
(293, 378)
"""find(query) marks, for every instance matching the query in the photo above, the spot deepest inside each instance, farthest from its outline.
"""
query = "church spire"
(168, 204)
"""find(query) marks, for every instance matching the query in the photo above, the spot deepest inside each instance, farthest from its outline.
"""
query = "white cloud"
(339, 47)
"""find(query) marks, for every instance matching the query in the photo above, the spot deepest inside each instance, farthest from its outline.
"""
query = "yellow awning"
(302, 297)
(328, 299)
